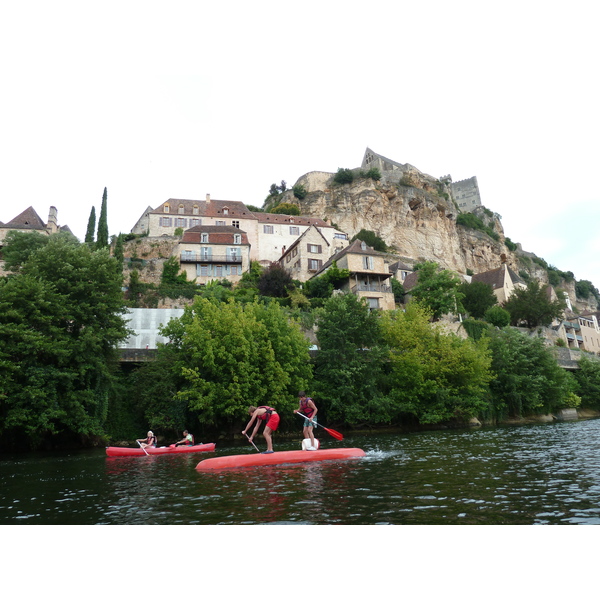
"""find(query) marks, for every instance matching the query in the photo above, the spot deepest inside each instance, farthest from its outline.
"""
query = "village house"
(214, 252)
(30, 222)
(368, 277)
(309, 253)
(502, 280)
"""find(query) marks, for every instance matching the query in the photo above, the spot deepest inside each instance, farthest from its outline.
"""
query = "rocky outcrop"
(416, 218)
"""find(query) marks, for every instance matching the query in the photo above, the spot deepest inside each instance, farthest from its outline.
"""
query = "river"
(546, 474)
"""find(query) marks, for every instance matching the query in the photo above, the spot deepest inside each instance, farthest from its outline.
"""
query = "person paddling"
(270, 417)
(188, 439)
(308, 410)
(149, 440)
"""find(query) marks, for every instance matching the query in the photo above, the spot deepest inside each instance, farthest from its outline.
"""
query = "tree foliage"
(437, 289)
(434, 376)
(531, 307)
(372, 239)
(60, 323)
(91, 227)
(349, 365)
(527, 379)
(102, 236)
(233, 355)
(477, 298)
(18, 247)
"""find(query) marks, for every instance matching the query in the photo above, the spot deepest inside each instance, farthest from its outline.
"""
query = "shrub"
(343, 176)
(300, 191)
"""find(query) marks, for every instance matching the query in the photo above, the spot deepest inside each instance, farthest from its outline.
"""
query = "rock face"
(416, 219)
(416, 216)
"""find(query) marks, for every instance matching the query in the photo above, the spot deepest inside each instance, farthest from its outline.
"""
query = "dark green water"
(540, 474)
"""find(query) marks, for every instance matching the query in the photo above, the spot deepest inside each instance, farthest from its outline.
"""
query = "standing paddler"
(308, 409)
(270, 417)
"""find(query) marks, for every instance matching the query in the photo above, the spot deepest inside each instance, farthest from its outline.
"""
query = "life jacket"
(192, 441)
(267, 414)
(151, 441)
(305, 409)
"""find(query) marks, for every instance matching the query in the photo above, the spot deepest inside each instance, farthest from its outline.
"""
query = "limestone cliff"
(417, 218)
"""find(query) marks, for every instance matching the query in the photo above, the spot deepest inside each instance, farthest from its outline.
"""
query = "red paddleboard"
(238, 461)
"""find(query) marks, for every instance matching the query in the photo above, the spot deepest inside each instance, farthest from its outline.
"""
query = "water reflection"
(544, 474)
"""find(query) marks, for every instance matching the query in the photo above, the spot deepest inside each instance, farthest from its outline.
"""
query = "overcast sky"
(176, 100)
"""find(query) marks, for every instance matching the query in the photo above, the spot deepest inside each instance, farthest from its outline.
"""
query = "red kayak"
(238, 461)
(116, 451)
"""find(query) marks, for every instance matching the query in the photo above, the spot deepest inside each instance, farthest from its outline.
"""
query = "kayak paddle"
(251, 442)
(332, 432)
(144, 449)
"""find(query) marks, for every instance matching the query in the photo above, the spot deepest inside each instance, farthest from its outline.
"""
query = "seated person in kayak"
(270, 417)
(149, 441)
(308, 410)
(188, 439)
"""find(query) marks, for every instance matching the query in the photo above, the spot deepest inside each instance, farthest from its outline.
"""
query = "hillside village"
(417, 215)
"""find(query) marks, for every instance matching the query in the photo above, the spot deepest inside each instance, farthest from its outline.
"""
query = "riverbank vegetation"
(61, 384)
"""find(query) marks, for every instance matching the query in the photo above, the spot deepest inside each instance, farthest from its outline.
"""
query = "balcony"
(372, 287)
(222, 259)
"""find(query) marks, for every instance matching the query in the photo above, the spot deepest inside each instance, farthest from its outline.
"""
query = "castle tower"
(52, 225)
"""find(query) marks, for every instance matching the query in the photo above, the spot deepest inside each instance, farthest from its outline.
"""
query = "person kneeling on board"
(308, 409)
(270, 417)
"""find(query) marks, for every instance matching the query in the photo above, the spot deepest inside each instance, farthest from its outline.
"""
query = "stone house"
(369, 274)
(503, 281)
(309, 253)
(28, 222)
(214, 252)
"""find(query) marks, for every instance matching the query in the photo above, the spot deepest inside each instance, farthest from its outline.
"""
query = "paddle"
(332, 432)
(251, 442)
(142, 447)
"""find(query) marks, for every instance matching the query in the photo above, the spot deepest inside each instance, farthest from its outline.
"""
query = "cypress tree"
(102, 236)
(91, 227)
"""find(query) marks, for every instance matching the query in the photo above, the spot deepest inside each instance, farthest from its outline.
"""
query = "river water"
(534, 474)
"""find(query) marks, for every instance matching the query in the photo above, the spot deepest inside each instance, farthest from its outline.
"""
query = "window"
(219, 271)
(225, 211)
(235, 224)
(368, 262)
(267, 228)
(181, 209)
(195, 222)
(205, 253)
(166, 208)
(314, 264)
(165, 222)
(204, 270)
(373, 303)
(237, 238)
(294, 230)
(195, 210)
(181, 222)
(221, 223)
(314, 248)
(204, 238)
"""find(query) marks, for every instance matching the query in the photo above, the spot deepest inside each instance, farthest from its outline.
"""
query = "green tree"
(102, 236)
(344, 176)
(437, 289)
(60, 324)
(275, 281)
(91, 227)
(532, 307)
(497, 316)
(349, 365)
(527, 378)
(477, 298)
(300, 191)
(435, 376)
(285, 208)
(372, 239)
(18, 247)
(588, 382)
(233, 355)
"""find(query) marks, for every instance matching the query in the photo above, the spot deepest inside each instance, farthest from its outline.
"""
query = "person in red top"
(270, 417)
(308, 410)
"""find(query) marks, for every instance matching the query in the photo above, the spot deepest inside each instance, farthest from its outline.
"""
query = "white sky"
(158, 100)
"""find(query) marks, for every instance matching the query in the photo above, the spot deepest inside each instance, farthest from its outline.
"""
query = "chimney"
(207, 198)
(52, 220)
